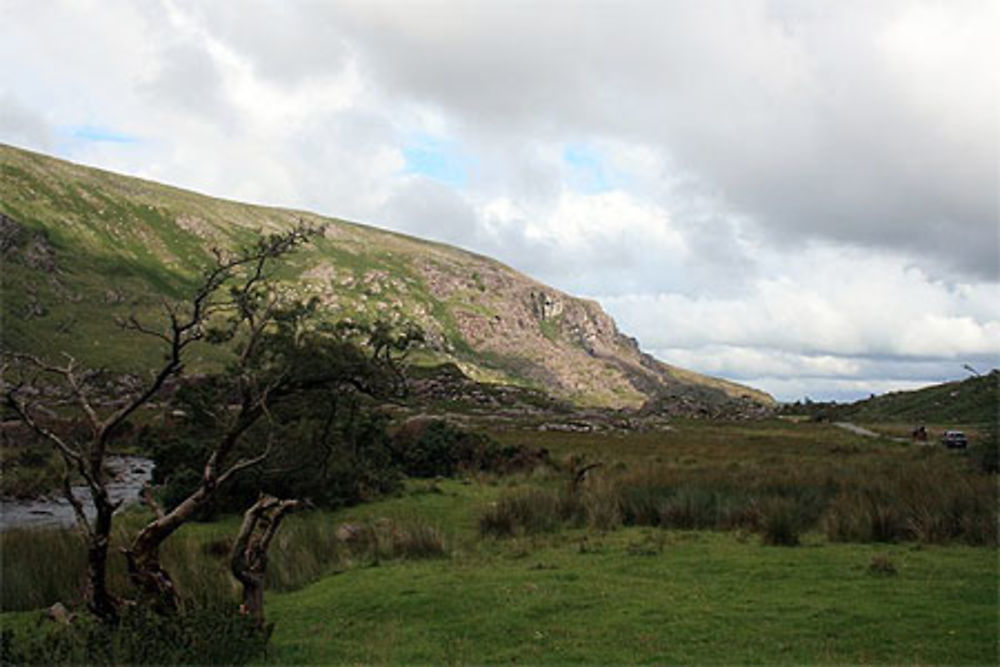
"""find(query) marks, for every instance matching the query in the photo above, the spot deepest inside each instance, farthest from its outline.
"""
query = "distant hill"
(975, 400)
(80, 246)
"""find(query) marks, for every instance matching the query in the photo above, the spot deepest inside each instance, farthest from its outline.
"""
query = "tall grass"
(926, 503)
(39, 567)
(922, 499)
(530, 511)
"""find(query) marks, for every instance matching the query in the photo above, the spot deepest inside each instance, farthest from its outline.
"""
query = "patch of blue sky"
(96, 133)
(438, 159)
(589, 171)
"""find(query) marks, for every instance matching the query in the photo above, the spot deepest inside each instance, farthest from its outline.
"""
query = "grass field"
(648, 596)
(426, 585)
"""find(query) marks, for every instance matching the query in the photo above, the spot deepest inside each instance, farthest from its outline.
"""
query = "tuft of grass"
(43, 566)
(782, 522)
(882, 565)
(528, 511)
(389, 539)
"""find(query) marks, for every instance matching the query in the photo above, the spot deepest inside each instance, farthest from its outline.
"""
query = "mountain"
(82, 246)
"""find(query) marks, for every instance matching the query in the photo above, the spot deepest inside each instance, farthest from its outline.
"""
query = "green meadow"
(425, 577)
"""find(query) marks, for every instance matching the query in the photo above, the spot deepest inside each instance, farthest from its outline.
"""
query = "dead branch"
(150, 501)
(81, 518)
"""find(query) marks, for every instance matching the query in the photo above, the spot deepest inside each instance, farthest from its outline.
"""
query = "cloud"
(798, 193)
(23, 126)
(831, 322)
(831, 124)
(828, 301)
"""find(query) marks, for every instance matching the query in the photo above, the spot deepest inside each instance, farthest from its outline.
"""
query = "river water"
(129, 474)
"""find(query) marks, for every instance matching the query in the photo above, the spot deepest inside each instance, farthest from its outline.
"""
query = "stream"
(130, 473)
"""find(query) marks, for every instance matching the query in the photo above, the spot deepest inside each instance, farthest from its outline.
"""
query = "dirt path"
(859, 430)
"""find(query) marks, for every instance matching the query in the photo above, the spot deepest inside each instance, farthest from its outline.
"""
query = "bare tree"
(234, 303)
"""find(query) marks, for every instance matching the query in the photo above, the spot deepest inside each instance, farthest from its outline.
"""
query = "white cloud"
(759, 189)
(828, 300)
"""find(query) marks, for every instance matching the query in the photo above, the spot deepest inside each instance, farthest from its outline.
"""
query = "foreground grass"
(645, 595)
(577, 594)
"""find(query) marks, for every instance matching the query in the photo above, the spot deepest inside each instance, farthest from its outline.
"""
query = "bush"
(334, 456)
(435, 448)
(204, 635)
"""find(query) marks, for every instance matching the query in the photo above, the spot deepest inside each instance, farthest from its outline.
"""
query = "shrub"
(334, 457)
(435, 448)
(204, 635)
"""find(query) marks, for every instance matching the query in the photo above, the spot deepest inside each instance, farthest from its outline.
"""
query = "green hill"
(975, 400)
(81, 246)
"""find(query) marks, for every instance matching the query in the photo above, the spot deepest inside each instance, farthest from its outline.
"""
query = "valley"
(517, 483)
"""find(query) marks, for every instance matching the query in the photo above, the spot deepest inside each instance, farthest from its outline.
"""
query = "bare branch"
(69, 372)
(133, 324)
(150, 501)
(81, 518)
(24, 414)
(243, 464)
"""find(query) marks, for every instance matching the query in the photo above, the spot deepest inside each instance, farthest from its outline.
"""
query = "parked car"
(952, 439)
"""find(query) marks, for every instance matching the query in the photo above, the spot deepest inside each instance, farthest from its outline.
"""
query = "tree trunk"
(154, 584)
(143, 555)
(249, 558)
(100, 601)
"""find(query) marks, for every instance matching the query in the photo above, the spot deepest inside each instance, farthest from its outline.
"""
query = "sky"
(797, 195)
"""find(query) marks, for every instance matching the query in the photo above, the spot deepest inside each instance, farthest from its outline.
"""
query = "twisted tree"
(278, 351)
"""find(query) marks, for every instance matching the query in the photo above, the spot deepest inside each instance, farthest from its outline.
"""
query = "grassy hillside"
(81, 246)
(973, 401)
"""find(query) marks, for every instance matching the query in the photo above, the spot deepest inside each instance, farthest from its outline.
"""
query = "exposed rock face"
(11, 235)
(134, 241)
(545, 306)
(25, 246)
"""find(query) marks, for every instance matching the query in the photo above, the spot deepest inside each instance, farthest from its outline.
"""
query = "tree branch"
(150, 501)
(243, 464)
(81, 518)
